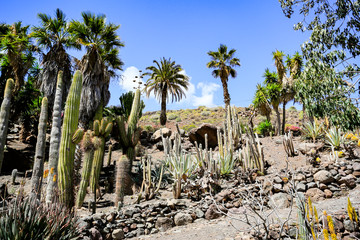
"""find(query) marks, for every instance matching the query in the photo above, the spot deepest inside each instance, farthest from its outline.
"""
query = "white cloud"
(127, 79)
(207, 94)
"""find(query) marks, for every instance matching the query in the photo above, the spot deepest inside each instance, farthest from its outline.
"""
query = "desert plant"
(38, 168)
(126, 101)
(4, 117)
(187, 128)
(28, 220)
(313, 130)
(109, 155)
(289, 145)
(13, 176)
(226, 164)
(352, 213)
(334, 137)
(67, 147)
(308, 219)
(129, 134)
(55, 138)
(264, 128)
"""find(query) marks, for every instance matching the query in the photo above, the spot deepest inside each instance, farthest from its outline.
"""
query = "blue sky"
(184, 30)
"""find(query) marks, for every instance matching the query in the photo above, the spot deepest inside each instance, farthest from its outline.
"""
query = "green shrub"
(188, 127)
(155, 117)
(292, 109)
(313, 130)
(29, 220)
(172, 116)
(178, 119)
(301, 115)
(264, 128)
(148, 128)
(335, 138)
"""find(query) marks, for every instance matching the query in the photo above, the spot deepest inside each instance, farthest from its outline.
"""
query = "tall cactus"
(67, 146)
(55, 139)
(101, 130)
(38, 168)
(128, 138)
(88, 144)
(4, 117)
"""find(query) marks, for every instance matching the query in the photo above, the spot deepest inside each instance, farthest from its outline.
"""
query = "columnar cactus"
(4, 117)
(109, 155)
(55, 139)
(128, 138)
(67, 146)
(88, 144)
(101, 130)
(38, 168)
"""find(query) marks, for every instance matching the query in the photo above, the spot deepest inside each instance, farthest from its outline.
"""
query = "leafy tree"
(99, 63)
(261, 103)
(17, 48)
(166, 81)
(53, 35)
(325, 88)
(223, 62)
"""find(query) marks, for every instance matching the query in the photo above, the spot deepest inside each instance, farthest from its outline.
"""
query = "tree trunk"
(38, 169)
(278, 121)
(284, 118)
(54, 140)
(163, 108)
(226, 93)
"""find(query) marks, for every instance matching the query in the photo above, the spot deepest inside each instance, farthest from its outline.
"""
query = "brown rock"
(356, 174)
(328, 193)
(164, 223)
(212, 213)
(198, 135)
(323, 176)
(315, 194)
(349, 180)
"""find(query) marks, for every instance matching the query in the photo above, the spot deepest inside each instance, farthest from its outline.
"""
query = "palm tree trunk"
(226, 93)
(278, 121)
(163, 107)
(284, 117)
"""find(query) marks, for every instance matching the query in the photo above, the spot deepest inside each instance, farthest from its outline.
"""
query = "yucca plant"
(335, 138)
(313, 130)
(226, 164)
(180, 167)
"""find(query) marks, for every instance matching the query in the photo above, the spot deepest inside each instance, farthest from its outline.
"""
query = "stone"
(333, 172)
(349, 180)
(323, 186)
(311, 185)
(130, 211)
(315, 194)
(338, 225)
(299, 177)
(328, 193)
(198, 135)
(182, 219)
(300, 187)
(278, 180)
(95, 234)
(83, 225)
(212, 212)
(356, 166)
(308, 148)
(280, 200)
(356, 174)
(277, 188)
(117, 234)
(199, 213)
(349, 226)
(156, 137)
(323, 176)
(163, 224)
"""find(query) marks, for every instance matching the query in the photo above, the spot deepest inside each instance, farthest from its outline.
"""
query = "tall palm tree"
(223, 62)
(53, 35)
(98, 64)
(17, 48)
(261, 103)
(166, 80)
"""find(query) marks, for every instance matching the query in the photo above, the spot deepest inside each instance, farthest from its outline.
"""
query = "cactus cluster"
(129, 135)
(289, 145)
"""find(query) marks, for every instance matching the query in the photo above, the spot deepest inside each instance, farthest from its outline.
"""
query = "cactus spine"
(87, 146)
(38, 168)
(67, 147)
(4, 117)
(55, 139)
(129, 137)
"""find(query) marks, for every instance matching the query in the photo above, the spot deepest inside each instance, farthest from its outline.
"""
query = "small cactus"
(4, 117)
(109, 155)
(67, 147)
(13, 176)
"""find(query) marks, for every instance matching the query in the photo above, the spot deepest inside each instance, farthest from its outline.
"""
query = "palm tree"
(18, 50)
(166, 80)
(53, 35)
(223, 62)
(98, 64)
(261, 103)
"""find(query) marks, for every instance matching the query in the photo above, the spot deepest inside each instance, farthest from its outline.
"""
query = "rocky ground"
(221, 216)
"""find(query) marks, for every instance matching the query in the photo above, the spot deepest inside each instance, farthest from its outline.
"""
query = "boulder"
(182, 219)
(118, 234)
(280, 200)
(198, 135)
(164, 223)
(315, 194)
(323, 176)
(309, 148)
(349, 180)
(212, 213)
(356, 166)
(156, 137)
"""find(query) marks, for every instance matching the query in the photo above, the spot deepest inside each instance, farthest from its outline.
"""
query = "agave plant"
(334, 137)
(181, 167)
(313, 130)
(226, 164)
